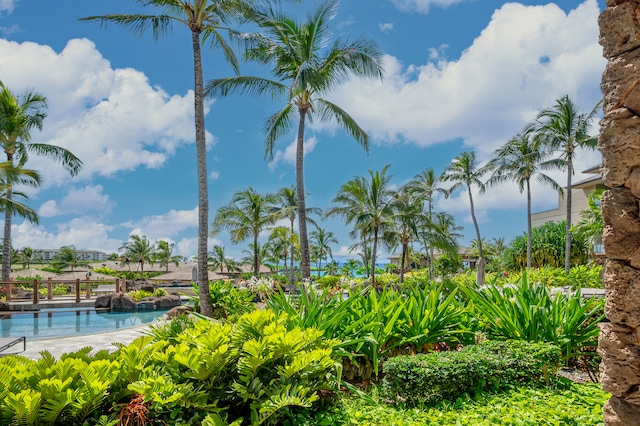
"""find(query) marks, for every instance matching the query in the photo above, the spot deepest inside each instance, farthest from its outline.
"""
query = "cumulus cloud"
(112, 119)
(79, 201)
(288, 155)
(386, 26)
(422, 6)
(167, 225)
(526, 58)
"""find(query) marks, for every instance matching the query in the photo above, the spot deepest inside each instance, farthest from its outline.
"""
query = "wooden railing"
(78, 286)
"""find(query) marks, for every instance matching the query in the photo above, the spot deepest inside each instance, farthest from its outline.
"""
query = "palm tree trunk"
(6, 242)
(305, 263)
(404, 255)
(529, 230)
(481, 263)
(256, 269)
(567, 254)
(206, 308)
(373, 256)
(428, 248)
(291, 273)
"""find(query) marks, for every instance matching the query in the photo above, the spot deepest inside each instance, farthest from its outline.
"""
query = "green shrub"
(490, 366)
(226, 299)
(327, 282)
(106, 271)
(138, 295)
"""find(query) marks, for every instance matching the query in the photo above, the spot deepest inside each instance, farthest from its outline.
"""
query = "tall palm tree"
(322, 239)
(10, 176)
(163, 255)
(425, 186)
(464, 172)
(138, 249)
(67, 257)
(205, 20)
(280, 245)
(248, 214)
(369, 205)
(407, 218)
(26, 256)
(19, 114)
(306, 67)
(289, 209)
(519, 160)
(564, 129)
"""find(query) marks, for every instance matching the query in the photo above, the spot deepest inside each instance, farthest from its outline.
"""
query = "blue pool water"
(67, 322)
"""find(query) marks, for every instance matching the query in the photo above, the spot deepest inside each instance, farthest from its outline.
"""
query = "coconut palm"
(464, 172)
(67, 257)
(19, 114)
(218, 260)
(248, 214)
(322, 239)
(163, 255)
(139, 250)
(368, 205)
(10, 176)
(408, 217)
(205, 20)
(306, 66)
(289, 205)
(519, 160)
(563, 128)
(424, 186)
(281, 243)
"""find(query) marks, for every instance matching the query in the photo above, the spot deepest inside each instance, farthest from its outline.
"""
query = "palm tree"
(332, 268)
(204, 19)
(591, 224)
(305, 70)
(163, 255)
(289, 208)
(140, 250)
(408, 215)
(464, 172)
(424, 186)
(322, 239)
(67, 257)
(369, 205)
(218, 260)
(10, 176)
(519, 160)
(248, 214)
(565, 129)
(26, 256)
(280, 245)
(19, 114)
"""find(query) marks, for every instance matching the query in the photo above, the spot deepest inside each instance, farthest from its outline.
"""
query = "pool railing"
(77, 285)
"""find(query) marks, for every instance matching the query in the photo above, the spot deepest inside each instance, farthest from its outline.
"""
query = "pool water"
(68, 322)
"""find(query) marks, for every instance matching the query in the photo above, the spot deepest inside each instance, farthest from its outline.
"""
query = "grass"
(568, 404)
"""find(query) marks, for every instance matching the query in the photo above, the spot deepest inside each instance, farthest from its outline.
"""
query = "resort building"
(88, 255)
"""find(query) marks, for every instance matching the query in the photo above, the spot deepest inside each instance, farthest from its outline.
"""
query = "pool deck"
(98, 341)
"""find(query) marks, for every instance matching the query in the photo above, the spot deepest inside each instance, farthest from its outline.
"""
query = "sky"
(459, 75)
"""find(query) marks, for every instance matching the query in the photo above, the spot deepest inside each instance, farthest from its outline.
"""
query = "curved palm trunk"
(256, 267)
(206, 308)
(481, 262)
(305, 263)
(567, 254)
(529, 230)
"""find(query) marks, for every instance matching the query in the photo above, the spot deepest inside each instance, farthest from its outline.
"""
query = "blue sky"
(459, 75)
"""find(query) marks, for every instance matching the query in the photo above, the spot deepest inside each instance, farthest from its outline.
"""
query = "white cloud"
(215, 175)
(386, 26)
(79, 201)
(112, 119)
(169, 224)
(526, 58)
(422, 6)
(7, 5)
(289, 154)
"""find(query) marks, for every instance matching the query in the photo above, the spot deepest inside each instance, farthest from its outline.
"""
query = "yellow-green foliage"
(138, 295)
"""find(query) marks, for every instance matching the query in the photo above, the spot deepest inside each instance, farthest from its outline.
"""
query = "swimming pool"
(69, 322)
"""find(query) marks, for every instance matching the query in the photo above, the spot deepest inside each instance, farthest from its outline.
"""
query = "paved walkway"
(98, 341)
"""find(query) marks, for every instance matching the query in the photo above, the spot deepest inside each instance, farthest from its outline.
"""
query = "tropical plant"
(248, 214)
(163, 255)
(591, 224)
(520, 159)
(306, 66)
(563, 128)
(407, 219)
(464, 172)
(424, 186)
(139, 250)
(322, 239)
(369, 205)
(26, 257)
(227, 299)
(204, 19)
(19, 114)
(219, 261)
(67, 257)
(279, 247)
(528, 311)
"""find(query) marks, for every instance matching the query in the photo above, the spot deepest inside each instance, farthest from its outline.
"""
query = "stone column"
(619, 142)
